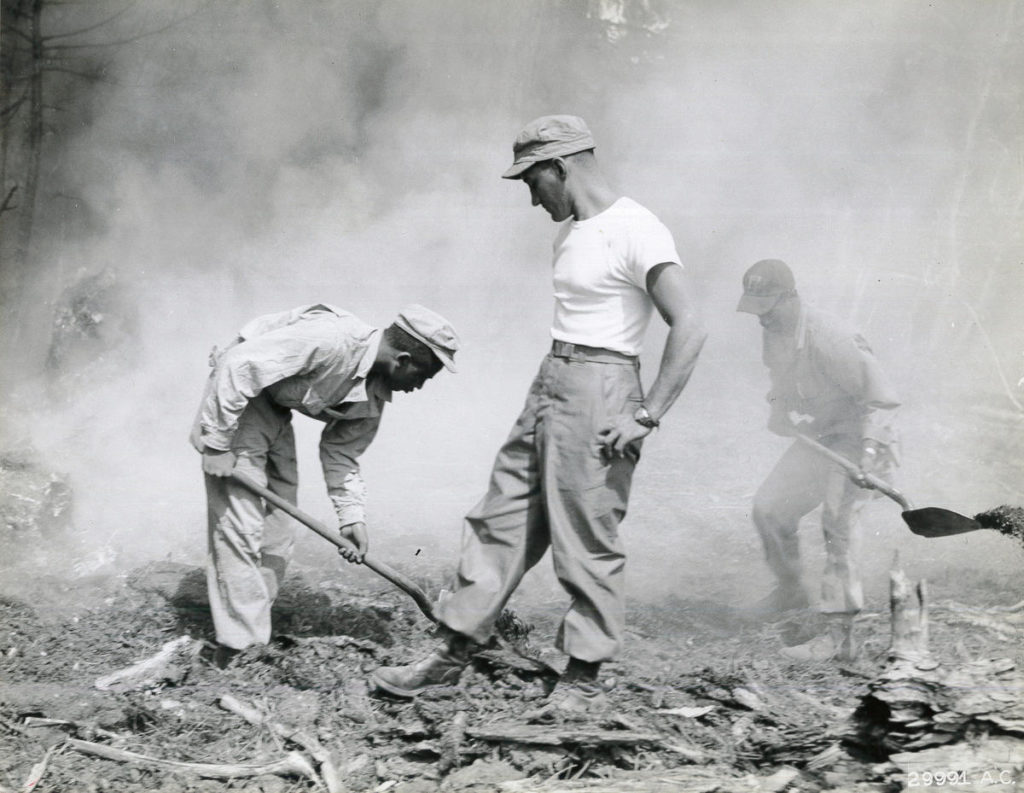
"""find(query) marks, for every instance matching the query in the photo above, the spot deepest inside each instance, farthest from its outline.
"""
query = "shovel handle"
(873, 481)
(381, 569)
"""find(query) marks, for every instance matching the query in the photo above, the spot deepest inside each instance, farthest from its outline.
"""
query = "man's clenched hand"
(356, 534)
(618, 434)
(217, 462)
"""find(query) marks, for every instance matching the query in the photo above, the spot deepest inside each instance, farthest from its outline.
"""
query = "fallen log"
(294, 764)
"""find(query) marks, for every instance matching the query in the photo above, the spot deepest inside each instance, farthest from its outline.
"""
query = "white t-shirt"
(600, 274)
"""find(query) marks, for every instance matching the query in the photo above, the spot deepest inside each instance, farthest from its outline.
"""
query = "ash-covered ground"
(703, 699)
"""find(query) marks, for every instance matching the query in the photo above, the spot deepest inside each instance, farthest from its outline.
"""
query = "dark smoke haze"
(252, 156)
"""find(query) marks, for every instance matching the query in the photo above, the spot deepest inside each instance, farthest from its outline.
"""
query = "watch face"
(643, 418)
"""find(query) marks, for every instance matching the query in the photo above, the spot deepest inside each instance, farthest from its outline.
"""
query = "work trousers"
(552, 486)
(801, 481)
(250, 545)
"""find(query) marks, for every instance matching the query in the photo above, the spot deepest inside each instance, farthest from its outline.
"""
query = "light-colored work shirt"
(600, 276)
(313, 359)
(828, 372)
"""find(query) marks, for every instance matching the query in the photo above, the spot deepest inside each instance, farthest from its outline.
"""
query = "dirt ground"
(703, 700)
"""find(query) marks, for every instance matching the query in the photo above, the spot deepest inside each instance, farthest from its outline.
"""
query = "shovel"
(925, 522)
(381, 569)
(504, 653)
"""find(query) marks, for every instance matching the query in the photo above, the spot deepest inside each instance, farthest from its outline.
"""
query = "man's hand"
(870, 459)
(356, 534)
(618, 434)
(217, 462)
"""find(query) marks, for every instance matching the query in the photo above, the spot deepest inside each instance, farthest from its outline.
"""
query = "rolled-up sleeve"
(247, 368)
(341, 444)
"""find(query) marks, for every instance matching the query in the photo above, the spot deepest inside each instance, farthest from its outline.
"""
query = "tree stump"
(917, 704)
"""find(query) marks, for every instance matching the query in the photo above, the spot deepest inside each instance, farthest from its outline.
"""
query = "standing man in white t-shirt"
(562, 478)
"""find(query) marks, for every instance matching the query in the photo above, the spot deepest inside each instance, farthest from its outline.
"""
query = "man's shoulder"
(634, 210)
(829, 332)
(827, 323)
(282, 319)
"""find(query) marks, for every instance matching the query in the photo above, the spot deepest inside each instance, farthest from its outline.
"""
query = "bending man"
(324, 363)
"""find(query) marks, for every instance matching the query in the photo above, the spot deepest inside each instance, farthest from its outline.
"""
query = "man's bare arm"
(671, 295)
(668, 290)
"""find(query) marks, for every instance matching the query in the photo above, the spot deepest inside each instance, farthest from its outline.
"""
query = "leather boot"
(835, 642)
(443, 667)
(782, 599)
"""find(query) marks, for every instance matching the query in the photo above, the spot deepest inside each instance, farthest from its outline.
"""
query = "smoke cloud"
(244, 158)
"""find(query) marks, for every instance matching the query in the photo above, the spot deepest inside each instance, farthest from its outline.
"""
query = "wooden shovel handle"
(381, 569)
(878, 484)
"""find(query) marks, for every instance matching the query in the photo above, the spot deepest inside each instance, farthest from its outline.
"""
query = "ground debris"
(516, 732)
(701, 727)
(1005, 519)
(169, 665)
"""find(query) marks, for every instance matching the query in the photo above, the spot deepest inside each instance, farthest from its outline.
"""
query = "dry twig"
(294, 764)
(35, 776)
(331, 776)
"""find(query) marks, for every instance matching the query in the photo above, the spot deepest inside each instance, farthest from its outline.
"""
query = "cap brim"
(518, 169)
(440, 353)
(757, 304)
(445, 358)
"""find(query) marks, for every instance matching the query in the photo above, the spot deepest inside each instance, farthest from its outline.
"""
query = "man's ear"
(560, 167)
(402, 359)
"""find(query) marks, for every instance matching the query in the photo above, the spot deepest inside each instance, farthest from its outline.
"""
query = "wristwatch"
(645, 419)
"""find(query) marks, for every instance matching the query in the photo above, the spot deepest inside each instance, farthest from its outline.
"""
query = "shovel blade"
(937, 522)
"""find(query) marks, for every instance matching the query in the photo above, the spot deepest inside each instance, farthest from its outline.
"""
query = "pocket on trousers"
(610, 493)
(600, 500)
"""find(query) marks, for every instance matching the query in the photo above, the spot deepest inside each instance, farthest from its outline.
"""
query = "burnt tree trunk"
(917, 704)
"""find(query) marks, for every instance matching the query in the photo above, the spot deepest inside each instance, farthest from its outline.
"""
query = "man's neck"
(593, 197)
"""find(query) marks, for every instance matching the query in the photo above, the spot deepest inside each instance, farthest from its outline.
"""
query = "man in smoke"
(324, 363)
(825, 384)
(563, 476)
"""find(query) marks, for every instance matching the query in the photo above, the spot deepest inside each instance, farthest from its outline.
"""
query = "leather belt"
(581, 352)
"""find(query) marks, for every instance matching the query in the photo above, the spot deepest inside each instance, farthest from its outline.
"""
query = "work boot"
(442, 667)
(572, 701)
(820, 648)
(782, 599)
(835, 642)
(577, 694)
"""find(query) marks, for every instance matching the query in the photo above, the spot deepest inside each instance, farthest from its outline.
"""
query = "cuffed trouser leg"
(551, 486)
(841, 588)
(795, 486)
(248, 549)
(587, 497)
(504, 535)
(802, 480)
